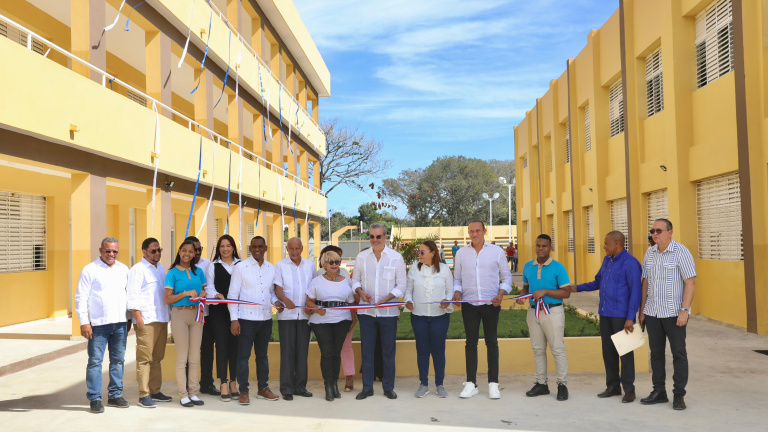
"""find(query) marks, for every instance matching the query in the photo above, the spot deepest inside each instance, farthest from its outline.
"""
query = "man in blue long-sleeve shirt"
(619, 282)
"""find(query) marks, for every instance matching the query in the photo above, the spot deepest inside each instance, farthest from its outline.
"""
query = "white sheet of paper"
(628, 342)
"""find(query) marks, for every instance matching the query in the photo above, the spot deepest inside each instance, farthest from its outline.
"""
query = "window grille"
(619, 218)
(568, 142)
(139, 99)
(656, 206)
(17, 36)
(654, 83)
(718, 210)
(525, 162)
(216, 234)
(714, 42)
(590, 219)
(587, 129)
(569, 230)
(551, 156)
(552, 229)
(249, 234)
(616, 108)
(23, 246)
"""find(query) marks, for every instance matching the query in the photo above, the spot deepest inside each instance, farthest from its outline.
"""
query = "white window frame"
(654, 83)
(616, 108)
(23, 232)
(714, 42)
(718, 214)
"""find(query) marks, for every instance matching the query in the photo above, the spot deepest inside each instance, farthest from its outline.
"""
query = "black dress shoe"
(288, 397)
(610, 391)
(655, 397)
(678, 402)
(329, 392)
(538, 390)
(211, 390)
(562, 392)
(336, 393)
(364, 394)
(390, 394)
(305, 393)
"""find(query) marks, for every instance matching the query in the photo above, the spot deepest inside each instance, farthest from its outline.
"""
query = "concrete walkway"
(727, 389)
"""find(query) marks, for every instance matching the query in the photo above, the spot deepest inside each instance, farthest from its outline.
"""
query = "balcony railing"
(133, 93)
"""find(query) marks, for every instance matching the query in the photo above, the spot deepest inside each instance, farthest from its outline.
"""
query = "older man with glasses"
(101, 306)
(379, 276)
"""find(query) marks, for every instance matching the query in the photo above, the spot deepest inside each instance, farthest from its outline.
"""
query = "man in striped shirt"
(669, 278)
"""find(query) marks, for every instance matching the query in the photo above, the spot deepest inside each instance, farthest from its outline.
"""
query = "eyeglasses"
(109, 251)
(421, 252)
(200, 249)
(334, 262)
(377, 237)
(657, 231)
(154, 251)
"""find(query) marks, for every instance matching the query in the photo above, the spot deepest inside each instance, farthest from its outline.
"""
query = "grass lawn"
(511, 325)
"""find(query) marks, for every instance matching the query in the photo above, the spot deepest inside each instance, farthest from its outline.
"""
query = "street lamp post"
(490, 209)
(503, 181)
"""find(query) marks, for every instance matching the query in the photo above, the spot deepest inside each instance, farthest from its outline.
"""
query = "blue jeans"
(113, 337)
(430, 334)
(387, 326)
(254, 334)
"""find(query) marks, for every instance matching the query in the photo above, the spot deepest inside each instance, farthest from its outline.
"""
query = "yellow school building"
(101, 134)
(661, 115)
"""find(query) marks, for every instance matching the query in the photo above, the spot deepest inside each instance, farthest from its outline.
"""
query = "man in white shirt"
(252, 280)
(477, 270)
(292, 277)
(101, 306)
(146, 301)
(206, 344)
(378, 277)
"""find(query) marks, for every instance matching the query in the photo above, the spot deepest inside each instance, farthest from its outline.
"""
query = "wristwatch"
(687, 310)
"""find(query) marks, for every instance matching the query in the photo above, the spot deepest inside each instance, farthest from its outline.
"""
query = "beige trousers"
(150, 351)
(548, 330)
(187, 335)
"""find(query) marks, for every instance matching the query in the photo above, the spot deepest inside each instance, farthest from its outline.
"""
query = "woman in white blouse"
(330, 326)
(218, 275)
(430, 281)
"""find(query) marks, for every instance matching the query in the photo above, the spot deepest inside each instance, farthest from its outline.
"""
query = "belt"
(330, 303)
(185, 307)
(533, 306)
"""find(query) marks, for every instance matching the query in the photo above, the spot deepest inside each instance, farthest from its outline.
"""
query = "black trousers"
(294, 349)
(226, 342)
(206, 355)
(659, 330)
(608, 327)
(489, 316)
(330, 339)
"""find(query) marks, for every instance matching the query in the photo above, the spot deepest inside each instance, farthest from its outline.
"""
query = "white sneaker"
(470, 389)
(493, 391)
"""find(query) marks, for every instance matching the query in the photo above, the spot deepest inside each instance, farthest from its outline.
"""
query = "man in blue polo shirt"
(547, 279)
(619, 282)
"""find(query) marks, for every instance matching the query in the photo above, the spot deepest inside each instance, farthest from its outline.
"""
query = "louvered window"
(590, 219)
(569, 230)
(587, 129)
(656, 203)
(568, 142)
(616, 108)
(249, 234)
(22, 232)
(551, 219)
(551, 156)
(714, 42)
(216, 230)
(173, 232)
(527, 226)
(718, 210)
(17, 36)
(139, 99)
(654, 84)
(619, 218)
(525, 162)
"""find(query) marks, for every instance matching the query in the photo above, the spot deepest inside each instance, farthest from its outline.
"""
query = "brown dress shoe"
(629, 397)
(244, 399)
(610, 391)
(350, 385)
(267, 394)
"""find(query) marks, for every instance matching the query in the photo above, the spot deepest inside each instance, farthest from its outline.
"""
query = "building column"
(277, 147)
(158, 69)
(159, 226)
(88, 226)
(275, 239)
(316, 173)
(304, 163)
(123, 235)
(235, 228)
(235, 119)
(305, 239)
(204, 98)
(88, 19)
(317, 233)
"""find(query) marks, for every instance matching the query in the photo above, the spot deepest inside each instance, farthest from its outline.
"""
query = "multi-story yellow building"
(102, 135)
(662, 114)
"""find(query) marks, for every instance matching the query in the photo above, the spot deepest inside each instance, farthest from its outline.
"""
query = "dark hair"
(193, 238)
(545, 237)
(432, 246)
(334, 248)
(666, 221)
(145, 244)
(476, 221)
(231, 241)
(258, 238)
(178, 256)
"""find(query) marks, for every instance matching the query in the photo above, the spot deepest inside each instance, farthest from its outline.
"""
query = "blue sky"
(434, 78)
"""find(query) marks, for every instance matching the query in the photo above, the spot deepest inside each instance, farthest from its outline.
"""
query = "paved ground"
(727, 389)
